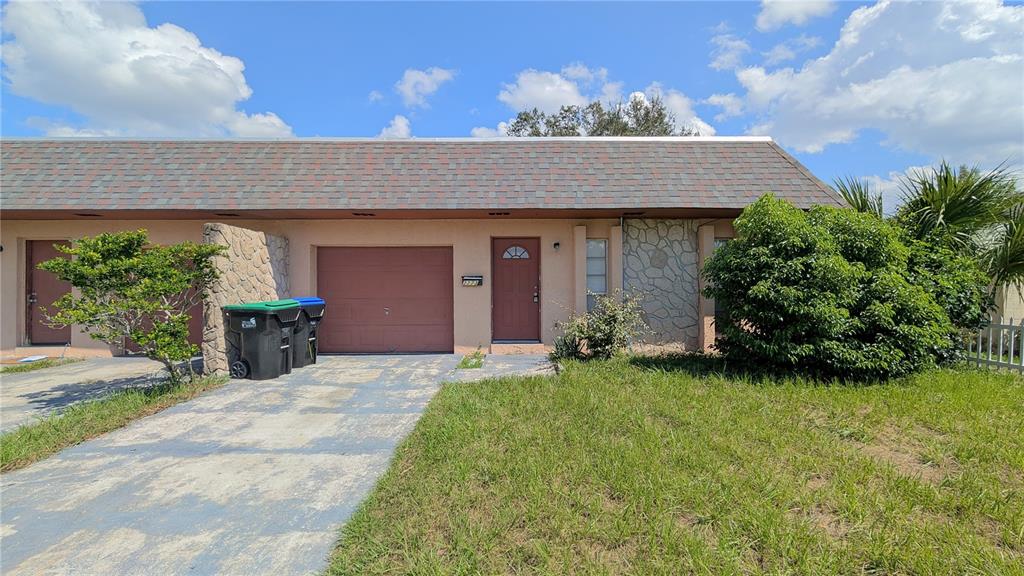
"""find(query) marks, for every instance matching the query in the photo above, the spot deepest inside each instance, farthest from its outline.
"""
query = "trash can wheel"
(239, 369)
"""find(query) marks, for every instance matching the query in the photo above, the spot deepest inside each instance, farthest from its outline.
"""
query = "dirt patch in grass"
(817, 482)
(613, 557)
(897, 449)
(993, 532)
(828, 522)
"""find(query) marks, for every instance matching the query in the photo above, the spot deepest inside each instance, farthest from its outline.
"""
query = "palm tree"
(1004, 259)
(957, 207)
(859, 195)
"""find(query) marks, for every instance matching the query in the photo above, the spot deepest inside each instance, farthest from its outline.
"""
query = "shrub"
(128, 289)
(827, 292)
(958, 284)
(614, 322)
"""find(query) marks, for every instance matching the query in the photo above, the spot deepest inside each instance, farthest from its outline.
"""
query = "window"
(597, 270)
(515, 253)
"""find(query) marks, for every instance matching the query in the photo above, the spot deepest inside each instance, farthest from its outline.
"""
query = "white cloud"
(942, 80)
(398, 128)
(124, 77)
(728, 51)
(777, 13)
(779, 53)
(485, 132)
(731, 105)
(581, 73)
(681, 107)
(375, 96)
(546, 91)
(789, 49)
(416, 85)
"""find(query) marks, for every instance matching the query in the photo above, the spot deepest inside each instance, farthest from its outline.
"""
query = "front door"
(42, 290)
(515, 294)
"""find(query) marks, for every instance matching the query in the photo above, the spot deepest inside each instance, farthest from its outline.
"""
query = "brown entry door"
(42, 290)
(515, 294)
(386, 299)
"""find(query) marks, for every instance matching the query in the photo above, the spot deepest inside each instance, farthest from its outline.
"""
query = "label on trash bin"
(250, 323)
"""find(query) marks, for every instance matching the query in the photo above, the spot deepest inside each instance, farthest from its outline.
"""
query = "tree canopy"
(636, 117)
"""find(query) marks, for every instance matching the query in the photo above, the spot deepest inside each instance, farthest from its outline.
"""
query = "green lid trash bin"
(304, 342)
(259, 338)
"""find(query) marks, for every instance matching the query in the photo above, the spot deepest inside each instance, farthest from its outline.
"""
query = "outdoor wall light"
(472, 280)
(556, 245)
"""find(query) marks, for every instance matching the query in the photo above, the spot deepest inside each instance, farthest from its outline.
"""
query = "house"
(417, 245)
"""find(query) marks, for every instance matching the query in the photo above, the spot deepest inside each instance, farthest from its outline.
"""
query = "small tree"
(128, 289)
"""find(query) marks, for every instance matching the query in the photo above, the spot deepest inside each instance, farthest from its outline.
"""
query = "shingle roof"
(543, 173)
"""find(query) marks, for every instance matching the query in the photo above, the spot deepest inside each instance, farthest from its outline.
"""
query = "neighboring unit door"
(42, 289)
(386, 299)
(515, 292)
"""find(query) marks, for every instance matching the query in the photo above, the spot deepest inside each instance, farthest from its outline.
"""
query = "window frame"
(604, 248)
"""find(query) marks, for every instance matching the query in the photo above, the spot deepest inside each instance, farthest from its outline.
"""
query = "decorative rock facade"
(660, 263)
(254, 267)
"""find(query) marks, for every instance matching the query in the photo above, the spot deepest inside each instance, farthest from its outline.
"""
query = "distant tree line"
(635, 117)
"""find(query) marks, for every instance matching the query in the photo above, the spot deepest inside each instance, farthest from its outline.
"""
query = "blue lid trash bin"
(259, 337)
(304, 350)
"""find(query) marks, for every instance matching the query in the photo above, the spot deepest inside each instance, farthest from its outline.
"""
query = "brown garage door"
(386, 299)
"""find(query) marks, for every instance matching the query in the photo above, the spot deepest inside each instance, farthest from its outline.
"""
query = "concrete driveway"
(252, 478)
(27, 396)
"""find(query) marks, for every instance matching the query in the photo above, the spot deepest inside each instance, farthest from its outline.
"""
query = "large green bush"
(836, 293)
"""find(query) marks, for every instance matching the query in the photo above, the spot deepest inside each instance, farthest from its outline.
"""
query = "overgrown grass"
(655, 467)
(471, 361)
(80, 422)
(37, 365)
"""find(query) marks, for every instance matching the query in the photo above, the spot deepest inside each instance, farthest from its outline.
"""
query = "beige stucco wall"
(1009, 304)
(470, 241)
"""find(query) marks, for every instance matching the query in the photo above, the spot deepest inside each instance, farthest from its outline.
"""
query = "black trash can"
(304, 343)
(259, 337)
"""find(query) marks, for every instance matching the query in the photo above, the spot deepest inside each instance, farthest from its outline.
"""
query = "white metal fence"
(998, 345)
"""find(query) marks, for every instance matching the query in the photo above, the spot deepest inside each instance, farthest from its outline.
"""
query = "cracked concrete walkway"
(252, 478)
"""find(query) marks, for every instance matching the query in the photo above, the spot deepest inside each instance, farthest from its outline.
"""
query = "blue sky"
(863, 89)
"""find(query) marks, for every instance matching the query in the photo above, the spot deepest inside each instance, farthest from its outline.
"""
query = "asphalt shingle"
(585, 173)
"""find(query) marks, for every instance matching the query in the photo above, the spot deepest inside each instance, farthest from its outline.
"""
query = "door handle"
(536, 297)
(32, 298)
(387, 311)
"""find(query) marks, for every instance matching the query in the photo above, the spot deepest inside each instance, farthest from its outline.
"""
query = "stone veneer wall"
(255, 267)
(659, 262)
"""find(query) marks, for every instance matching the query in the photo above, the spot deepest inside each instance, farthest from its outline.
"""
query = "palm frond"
(859, 195)
(1004, 260)
(957, 205)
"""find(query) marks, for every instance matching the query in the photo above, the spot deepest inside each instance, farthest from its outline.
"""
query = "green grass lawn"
(32, 442)
(656, 467)
(37, 365)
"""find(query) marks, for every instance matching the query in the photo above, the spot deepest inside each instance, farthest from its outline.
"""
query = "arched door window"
(515, 253)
